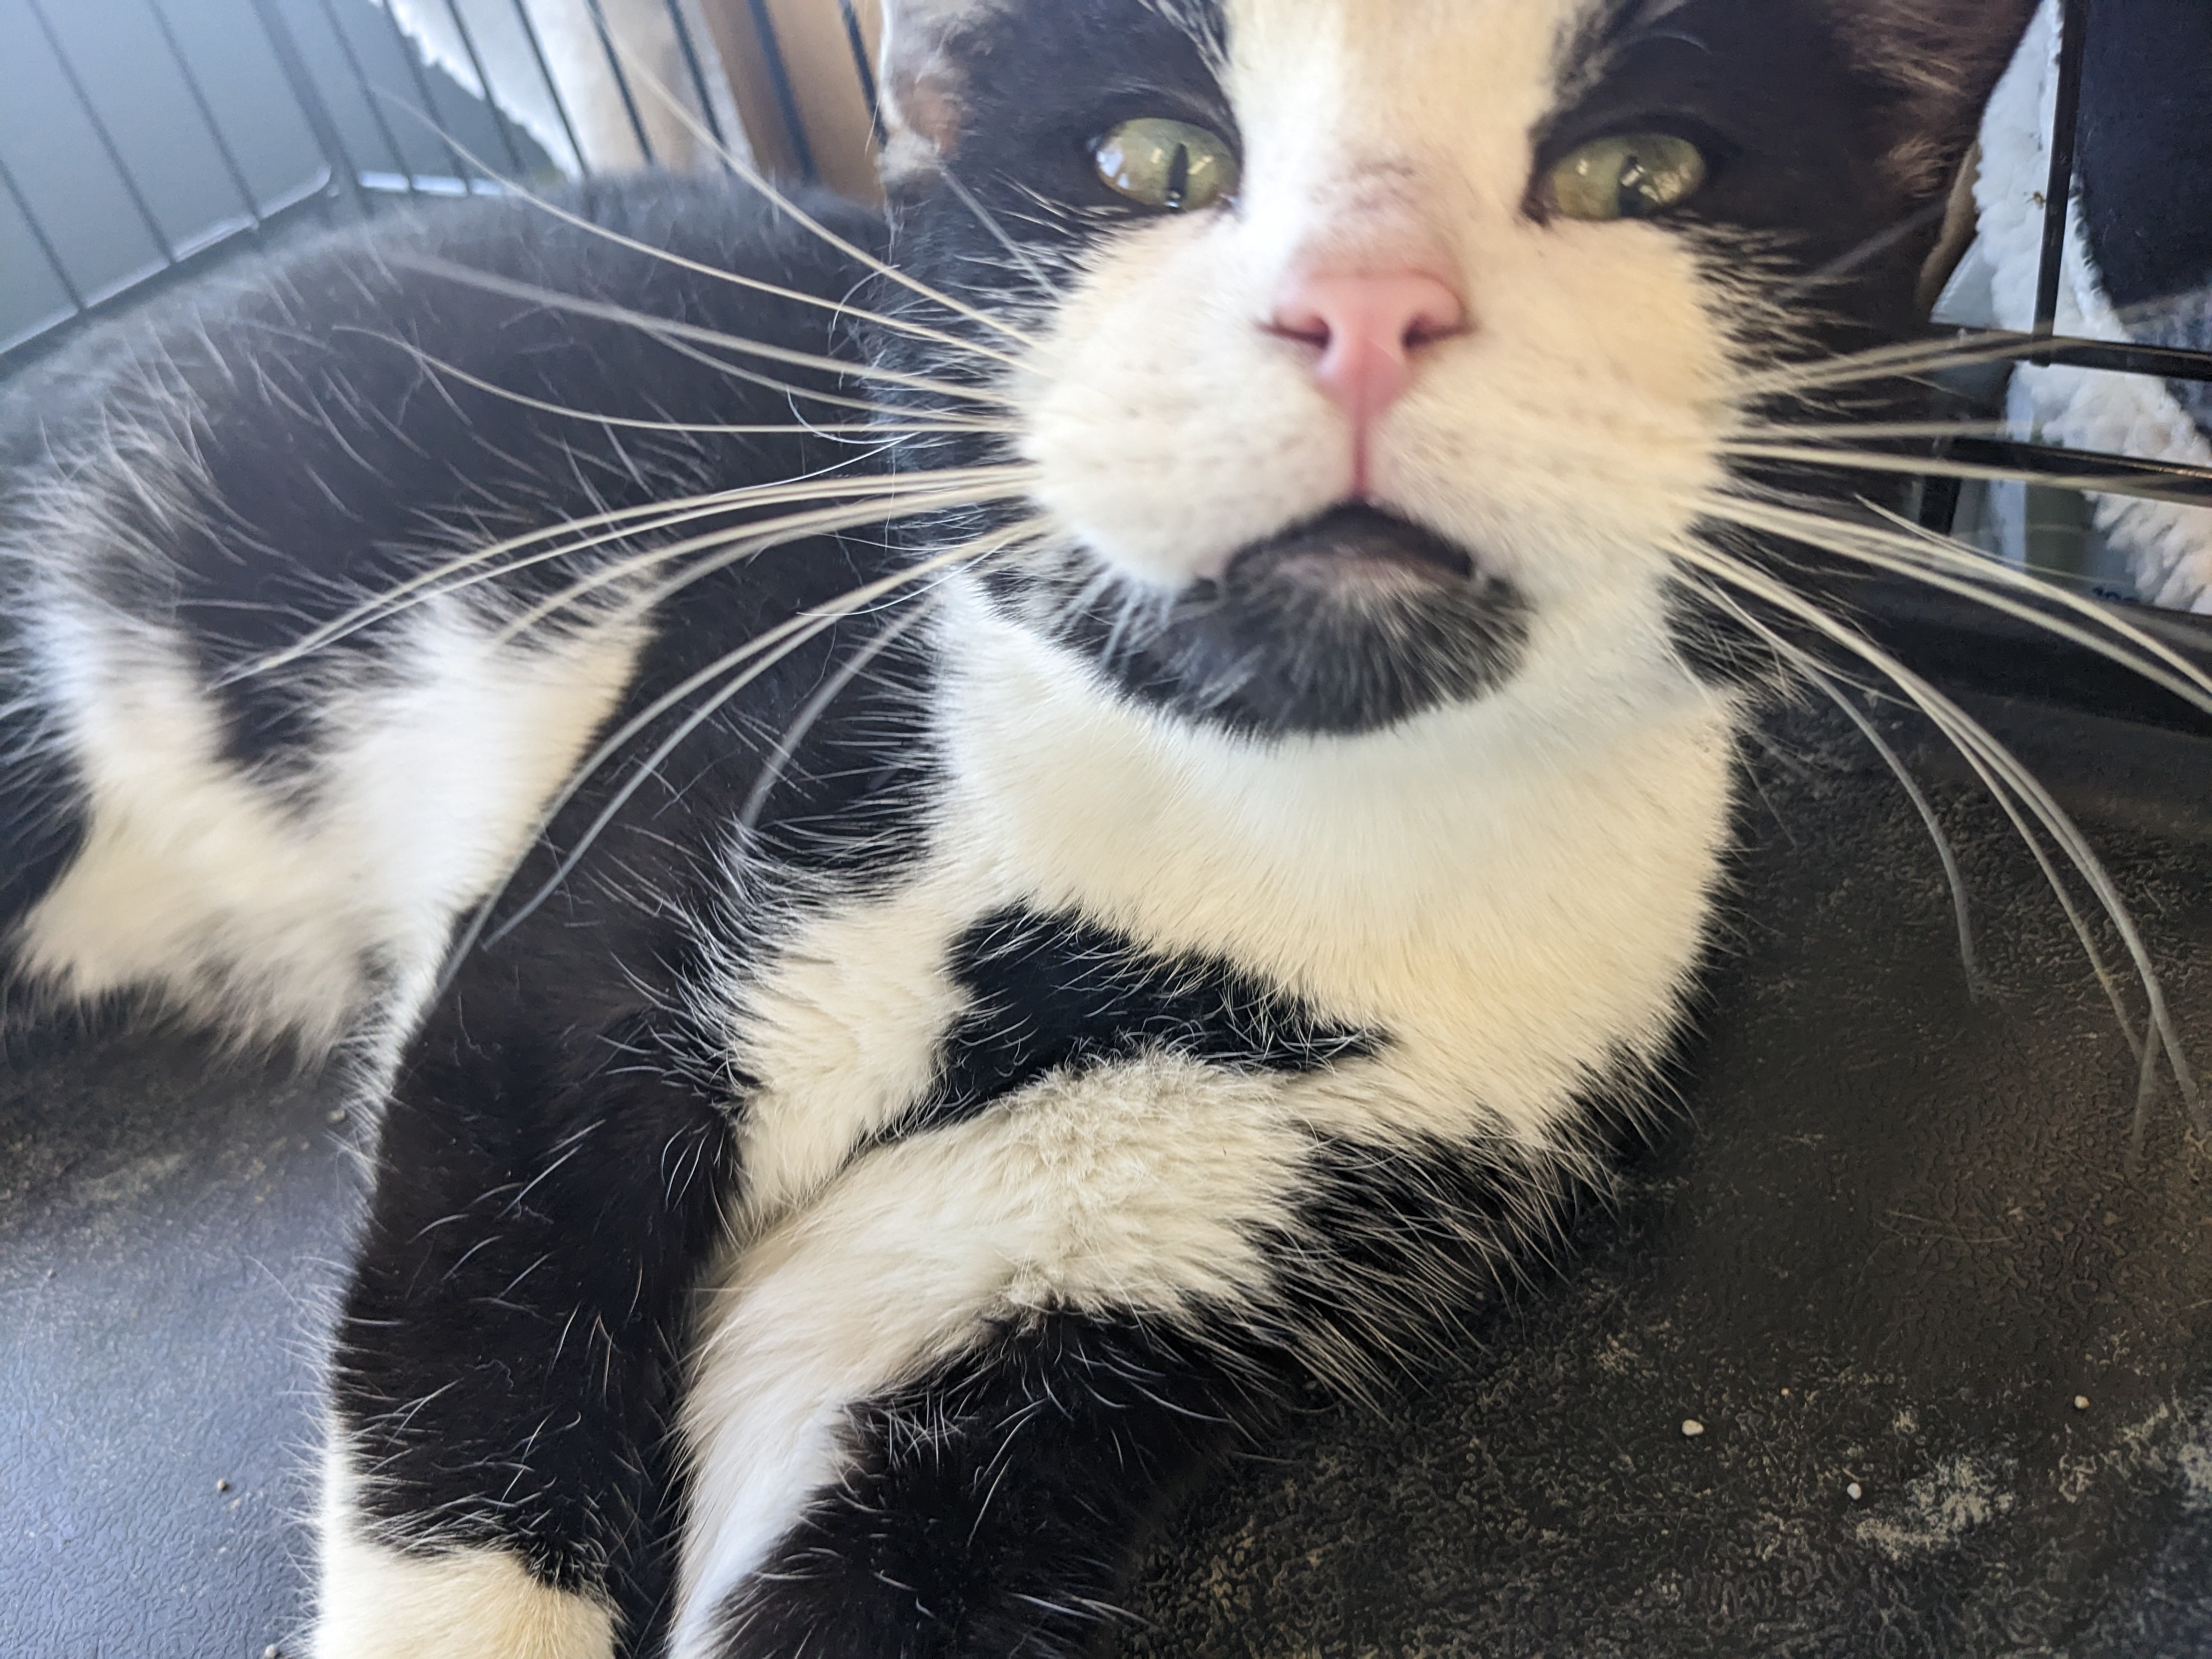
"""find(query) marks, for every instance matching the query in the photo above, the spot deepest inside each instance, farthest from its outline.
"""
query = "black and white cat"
(958, 848)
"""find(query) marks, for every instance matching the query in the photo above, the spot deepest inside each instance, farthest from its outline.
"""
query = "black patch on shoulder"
(1052, 992)
(995, 1508)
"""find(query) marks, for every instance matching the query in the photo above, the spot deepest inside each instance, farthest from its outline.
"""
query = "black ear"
(920, 78)
(1937, 62)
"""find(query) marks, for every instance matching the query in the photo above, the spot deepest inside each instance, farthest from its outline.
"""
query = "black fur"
(42, 810)
(1057, 994)
(992, 1506)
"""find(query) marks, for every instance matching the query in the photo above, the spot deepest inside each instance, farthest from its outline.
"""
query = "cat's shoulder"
(700, 252)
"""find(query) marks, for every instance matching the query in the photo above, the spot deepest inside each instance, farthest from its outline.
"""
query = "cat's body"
(894, 1125)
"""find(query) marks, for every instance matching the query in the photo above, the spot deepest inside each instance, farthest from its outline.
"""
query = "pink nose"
(1368, 328)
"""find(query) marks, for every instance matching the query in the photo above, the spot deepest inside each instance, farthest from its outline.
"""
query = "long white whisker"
(1976, 744)
(809, 716)
(1046, 286)
(626, 521)
(627, 524)
(489, 283)
(738, 279)
(772, 646)
(688, 428)
(984, 550)
(1965, 736)
(1867, 431)
(745, 170)
(951, 419)
(643, 75)
(1972, 576)
(1907, 357)
(743, 542)
(2147, 488)
(1804, 663)
(1916, 553)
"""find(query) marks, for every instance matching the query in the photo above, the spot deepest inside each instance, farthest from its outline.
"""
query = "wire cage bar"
(358, 116)
(323, 109)
(2109, 474)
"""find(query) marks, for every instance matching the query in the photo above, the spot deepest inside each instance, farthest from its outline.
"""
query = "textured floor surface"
(1889, 1239)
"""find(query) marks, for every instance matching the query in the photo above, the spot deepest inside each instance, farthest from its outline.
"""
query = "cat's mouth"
(1342, 624)
(1354, 545)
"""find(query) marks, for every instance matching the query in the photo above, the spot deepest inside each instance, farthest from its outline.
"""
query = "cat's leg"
(934, 1412)
(503, 1373)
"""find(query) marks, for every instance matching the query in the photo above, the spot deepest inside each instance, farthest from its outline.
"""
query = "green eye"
(1170, 165)
(1631, 176)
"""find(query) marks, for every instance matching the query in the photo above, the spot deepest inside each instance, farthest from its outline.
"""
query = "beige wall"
(825, 85)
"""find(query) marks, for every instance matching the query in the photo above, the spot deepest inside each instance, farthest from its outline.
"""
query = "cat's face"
(1383, 349)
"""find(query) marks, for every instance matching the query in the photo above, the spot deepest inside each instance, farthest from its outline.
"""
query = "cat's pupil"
(1636, 195)
(1179, 176)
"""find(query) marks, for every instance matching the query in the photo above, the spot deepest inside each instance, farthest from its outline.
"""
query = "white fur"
(1512, 888)
(840, 1034)
(278, 901)
(2168, 546)
(376, 1602)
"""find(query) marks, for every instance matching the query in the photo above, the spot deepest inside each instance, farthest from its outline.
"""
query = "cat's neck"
(1579, 822)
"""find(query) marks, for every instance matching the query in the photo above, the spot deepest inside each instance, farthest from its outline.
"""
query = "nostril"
(1440, 322)
(1397, 314)
(1294, 322)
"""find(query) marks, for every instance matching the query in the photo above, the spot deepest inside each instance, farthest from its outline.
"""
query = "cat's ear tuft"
(1941, 59)
(921, 83)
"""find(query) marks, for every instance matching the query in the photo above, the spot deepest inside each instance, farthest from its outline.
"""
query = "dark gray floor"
(169, 1225)
(1910, 1209)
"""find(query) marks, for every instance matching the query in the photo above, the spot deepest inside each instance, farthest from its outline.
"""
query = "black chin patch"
(1347, 623)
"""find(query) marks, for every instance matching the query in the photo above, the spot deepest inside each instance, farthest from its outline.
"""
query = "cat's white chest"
(1509, 899)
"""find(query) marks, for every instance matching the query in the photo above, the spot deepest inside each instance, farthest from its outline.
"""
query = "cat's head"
(1373, 354)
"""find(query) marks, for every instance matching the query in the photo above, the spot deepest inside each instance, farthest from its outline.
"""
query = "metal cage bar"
(2118, 475)
(54, 261)
(552, 87)
(366, 88)
(101, 131)
(315, 108)
(857, 41)
(613, 56)
(505, 128)
(198, 95)
(697, 71)
(786, 100)
(428, 111)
